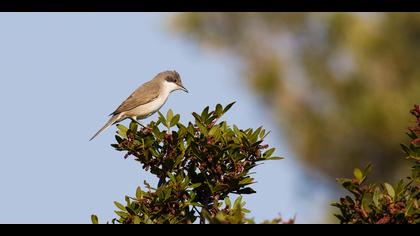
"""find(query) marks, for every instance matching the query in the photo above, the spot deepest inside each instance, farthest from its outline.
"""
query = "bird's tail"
(111, 121)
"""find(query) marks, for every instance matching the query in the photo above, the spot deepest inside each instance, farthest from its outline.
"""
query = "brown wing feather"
(142, 95)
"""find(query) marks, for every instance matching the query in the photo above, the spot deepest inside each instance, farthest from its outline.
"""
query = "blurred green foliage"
(385, 203)
(339, 83)
(198, 165)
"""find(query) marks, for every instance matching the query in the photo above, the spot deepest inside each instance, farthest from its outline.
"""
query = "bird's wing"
(144, 94)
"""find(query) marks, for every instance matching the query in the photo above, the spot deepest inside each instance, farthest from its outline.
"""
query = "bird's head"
(172, 79)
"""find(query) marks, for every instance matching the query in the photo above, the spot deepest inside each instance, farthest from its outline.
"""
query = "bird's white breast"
(148, 109)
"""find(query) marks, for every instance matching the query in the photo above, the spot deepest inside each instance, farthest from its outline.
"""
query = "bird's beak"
(183, 88)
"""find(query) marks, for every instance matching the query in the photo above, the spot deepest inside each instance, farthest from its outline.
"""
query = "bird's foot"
(144, 127)
(134, 120)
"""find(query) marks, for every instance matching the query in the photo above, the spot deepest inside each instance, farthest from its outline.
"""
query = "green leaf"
(197, 117)
(127, 200)
(122, 130)
(171, 177)
(262, 134)
(175, 120)
(202, 128)
(219, 110)
(367, 170)
(269, 152)
(139, 193)
(399, 187)
(94, 219)
(180, 158)
(237, 202)
(228, 107)
(169, 115)
(213, 130)
(390, 190)
(358, 174)
(246, 191)
(265, 134)
(245, 210)
(220, 187)
(275, 158)
(194, 204)
(254, 136)
(409, 208)
(133, 126)
(237, 131)
(246, 181)
(217, 135)
(136, 220)
(167, 193)
(162, 119)
(118, 138)
(227, 202)
(376, 195)
(130, 211)
(157, 132)
(119, 205)
(405, 148)
(116, 146)
(344, 181)
(154, 152)
(205, 113)
(121, 214)
(366, 201)
(196, 185)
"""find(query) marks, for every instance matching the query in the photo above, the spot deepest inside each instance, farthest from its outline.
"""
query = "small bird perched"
(146, 99)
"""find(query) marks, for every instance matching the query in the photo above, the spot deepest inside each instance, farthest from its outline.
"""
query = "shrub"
(385, 203)
(198, 165)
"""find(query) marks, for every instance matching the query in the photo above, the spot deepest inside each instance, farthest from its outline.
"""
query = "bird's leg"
(144, 127)
(135, 120)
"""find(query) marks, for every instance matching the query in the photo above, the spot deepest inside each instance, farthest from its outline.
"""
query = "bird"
(147, 99)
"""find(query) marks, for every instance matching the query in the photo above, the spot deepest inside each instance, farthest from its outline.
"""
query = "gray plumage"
(142, 95)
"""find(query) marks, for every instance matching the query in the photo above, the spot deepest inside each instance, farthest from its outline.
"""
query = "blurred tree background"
(339, 84)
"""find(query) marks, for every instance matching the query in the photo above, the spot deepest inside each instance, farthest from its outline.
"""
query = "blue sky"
(61, 74)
